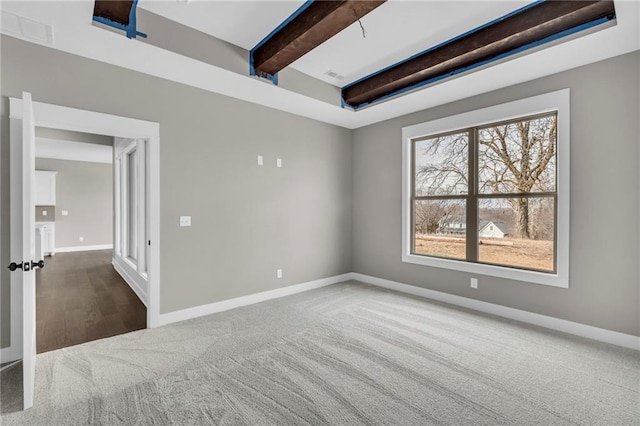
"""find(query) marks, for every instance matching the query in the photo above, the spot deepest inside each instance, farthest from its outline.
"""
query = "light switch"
(44, 212)
(185, 220)
(65, 212)
(260, 160)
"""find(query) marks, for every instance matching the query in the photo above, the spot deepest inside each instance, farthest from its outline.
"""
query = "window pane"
(440, 228)
(517, 232)
(518, 157)
(132, 215)
(441, 165)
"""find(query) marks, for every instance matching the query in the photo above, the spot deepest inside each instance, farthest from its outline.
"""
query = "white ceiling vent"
(21, 27)
(334, 74)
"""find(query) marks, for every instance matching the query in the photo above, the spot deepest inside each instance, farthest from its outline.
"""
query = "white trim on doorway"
(65, 118)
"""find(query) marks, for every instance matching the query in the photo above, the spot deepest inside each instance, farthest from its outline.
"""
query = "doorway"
(79, 295)
(24, 116)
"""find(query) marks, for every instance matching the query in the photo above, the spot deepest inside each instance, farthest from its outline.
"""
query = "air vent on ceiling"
(25, 28)
(335, 75)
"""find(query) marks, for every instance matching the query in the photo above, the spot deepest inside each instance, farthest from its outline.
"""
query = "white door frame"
(64, 118)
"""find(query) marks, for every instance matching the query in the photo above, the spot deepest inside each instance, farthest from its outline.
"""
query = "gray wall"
(247, 220)
(85, 191)
(604, 201)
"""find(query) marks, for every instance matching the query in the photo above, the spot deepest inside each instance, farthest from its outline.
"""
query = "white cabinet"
(45, 239)
(49, 240)
(45, 188)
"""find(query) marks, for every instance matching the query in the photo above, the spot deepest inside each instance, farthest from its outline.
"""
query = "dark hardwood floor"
(80, 297)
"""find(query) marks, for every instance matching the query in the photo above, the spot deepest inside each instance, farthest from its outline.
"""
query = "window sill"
(534, 277)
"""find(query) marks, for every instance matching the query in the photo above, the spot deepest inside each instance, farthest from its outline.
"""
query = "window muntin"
(500, 172)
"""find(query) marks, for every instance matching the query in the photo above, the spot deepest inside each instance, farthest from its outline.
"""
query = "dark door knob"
(26, 266)
(13, 266)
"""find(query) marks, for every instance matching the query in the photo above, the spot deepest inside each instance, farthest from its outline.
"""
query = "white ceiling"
(243, 23)
(405, 28)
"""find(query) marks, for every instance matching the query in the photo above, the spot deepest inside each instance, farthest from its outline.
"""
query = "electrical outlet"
(260, 160)
(474, 283)
(278, 162)
(279, 273)
(185, 220)
(81, 239)
(44, 212)
(65, 212)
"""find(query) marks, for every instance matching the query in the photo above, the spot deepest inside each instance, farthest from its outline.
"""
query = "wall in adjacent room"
(85, 191)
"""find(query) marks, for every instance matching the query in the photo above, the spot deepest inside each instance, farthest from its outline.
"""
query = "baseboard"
(8, 354)
(237, 302)
(84, 248)
(130, 279)
(583, 330)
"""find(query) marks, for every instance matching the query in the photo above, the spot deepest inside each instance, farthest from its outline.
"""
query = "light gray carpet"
(344, 354)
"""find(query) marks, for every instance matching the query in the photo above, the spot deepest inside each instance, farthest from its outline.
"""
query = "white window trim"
(555, 101)
(122, 152)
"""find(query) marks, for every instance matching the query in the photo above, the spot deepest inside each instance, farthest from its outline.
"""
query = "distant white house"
(452, 225)
(456, 225)
(492, 229)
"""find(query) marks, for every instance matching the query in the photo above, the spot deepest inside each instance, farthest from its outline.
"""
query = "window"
(487, 192)
(131, 198)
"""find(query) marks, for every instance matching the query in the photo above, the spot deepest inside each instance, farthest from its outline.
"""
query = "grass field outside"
(531, 254)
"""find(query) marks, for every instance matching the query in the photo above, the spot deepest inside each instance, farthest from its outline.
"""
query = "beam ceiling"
(537, 23)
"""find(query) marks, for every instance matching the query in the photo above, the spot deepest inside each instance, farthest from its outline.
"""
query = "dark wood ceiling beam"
(120, 14)
(533, 24)
(114, 10)
(316, 24)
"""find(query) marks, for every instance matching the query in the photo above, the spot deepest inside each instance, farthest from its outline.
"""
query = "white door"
(23, 235)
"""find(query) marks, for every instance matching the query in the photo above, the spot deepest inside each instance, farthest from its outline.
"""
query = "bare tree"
(518, 158)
